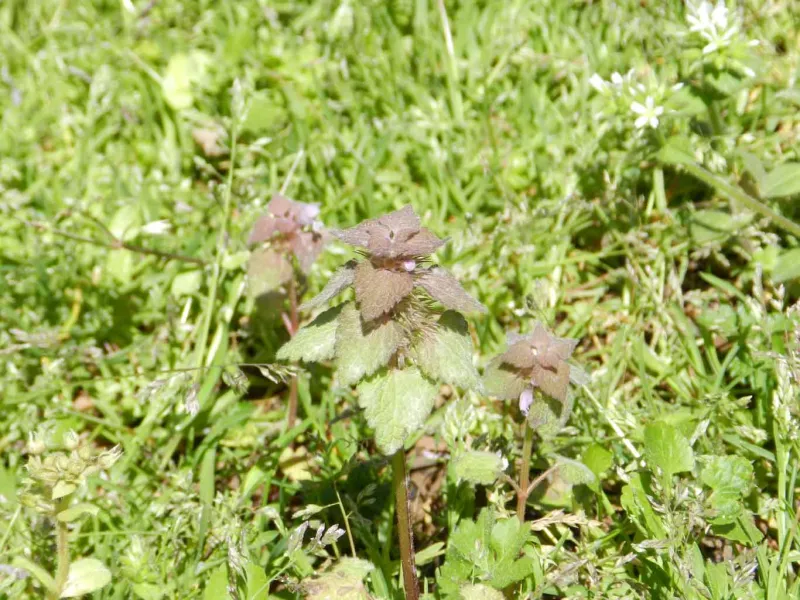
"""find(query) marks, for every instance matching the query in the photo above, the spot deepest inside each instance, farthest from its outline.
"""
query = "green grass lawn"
(623, 173)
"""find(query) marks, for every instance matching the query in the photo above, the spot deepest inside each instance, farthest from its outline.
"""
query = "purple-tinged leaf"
(502, 381)
(445, 288)
(379, 290)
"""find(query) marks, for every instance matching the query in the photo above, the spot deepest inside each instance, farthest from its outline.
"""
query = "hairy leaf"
(362, 349)
(667, 449)
(502, 381)
(379, 290)
(478, 467)
(445, 354)
(445, 288)
(728, 474)
(316, 341)
(396, 403)
(477, 591)
(553, 382)
(339, 281)
(574, 472)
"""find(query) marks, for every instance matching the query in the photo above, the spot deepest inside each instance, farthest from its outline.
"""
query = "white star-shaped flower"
(648, 113)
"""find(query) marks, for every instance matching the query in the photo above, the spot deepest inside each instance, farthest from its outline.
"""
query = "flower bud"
(35, 444)
(107, 459)
(71, 440)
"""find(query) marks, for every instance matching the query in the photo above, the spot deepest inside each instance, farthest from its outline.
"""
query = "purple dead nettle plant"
(392, 341)
(535, 371)
(289, 239)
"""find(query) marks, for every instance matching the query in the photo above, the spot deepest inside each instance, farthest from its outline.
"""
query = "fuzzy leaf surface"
(362, 349)
(502, 381)
(445, 354)
(379, 290)
(339, 282)
(397, 402)
(316, 341)
(445, 288)
(478, 466)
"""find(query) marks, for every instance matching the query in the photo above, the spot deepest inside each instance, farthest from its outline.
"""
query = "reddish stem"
(292, 326)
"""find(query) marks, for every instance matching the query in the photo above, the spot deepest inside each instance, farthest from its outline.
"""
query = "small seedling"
(50, 490)
(392, 342)
(535, 371)
(289, 239)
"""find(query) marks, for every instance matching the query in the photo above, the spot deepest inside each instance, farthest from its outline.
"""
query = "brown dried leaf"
(442, 286)
(341, 280)
(379, 290)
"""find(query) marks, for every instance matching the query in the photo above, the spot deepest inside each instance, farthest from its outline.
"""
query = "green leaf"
(148, 591)
(636, 504)
(677, 151)
(666, 448)
(186, 283)
(478, 591)
(396, 404)
(502, 382)
(74, 512)
(257, 582)
(787, 266)
(709, 225)
(316, 341)
(360, 353)
(728, 474)
(478, 467)
(217, 584)
(125, 223)
(62, 488)
(119, 263)
(38, 572)
(598, 459)
(85, 576)
(445, 354)
(574, 472)
(183, 70)
(783, 180)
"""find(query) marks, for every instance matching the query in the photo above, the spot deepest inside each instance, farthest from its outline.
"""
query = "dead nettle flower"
(395, 246)
(391, 341)
(537, 361)
(288, 229)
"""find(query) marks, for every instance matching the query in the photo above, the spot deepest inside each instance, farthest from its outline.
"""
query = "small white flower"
(617, 79)
(648, 113)
(598, 83)
(157, 227)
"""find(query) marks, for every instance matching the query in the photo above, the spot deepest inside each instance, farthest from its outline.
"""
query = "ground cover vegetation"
(418, 298)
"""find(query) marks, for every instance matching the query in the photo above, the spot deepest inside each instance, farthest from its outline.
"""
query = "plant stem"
(62, 546)
(524, 473)
(404, 532)
(294, 321)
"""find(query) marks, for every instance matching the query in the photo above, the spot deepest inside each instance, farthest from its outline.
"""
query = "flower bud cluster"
(53, 475)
